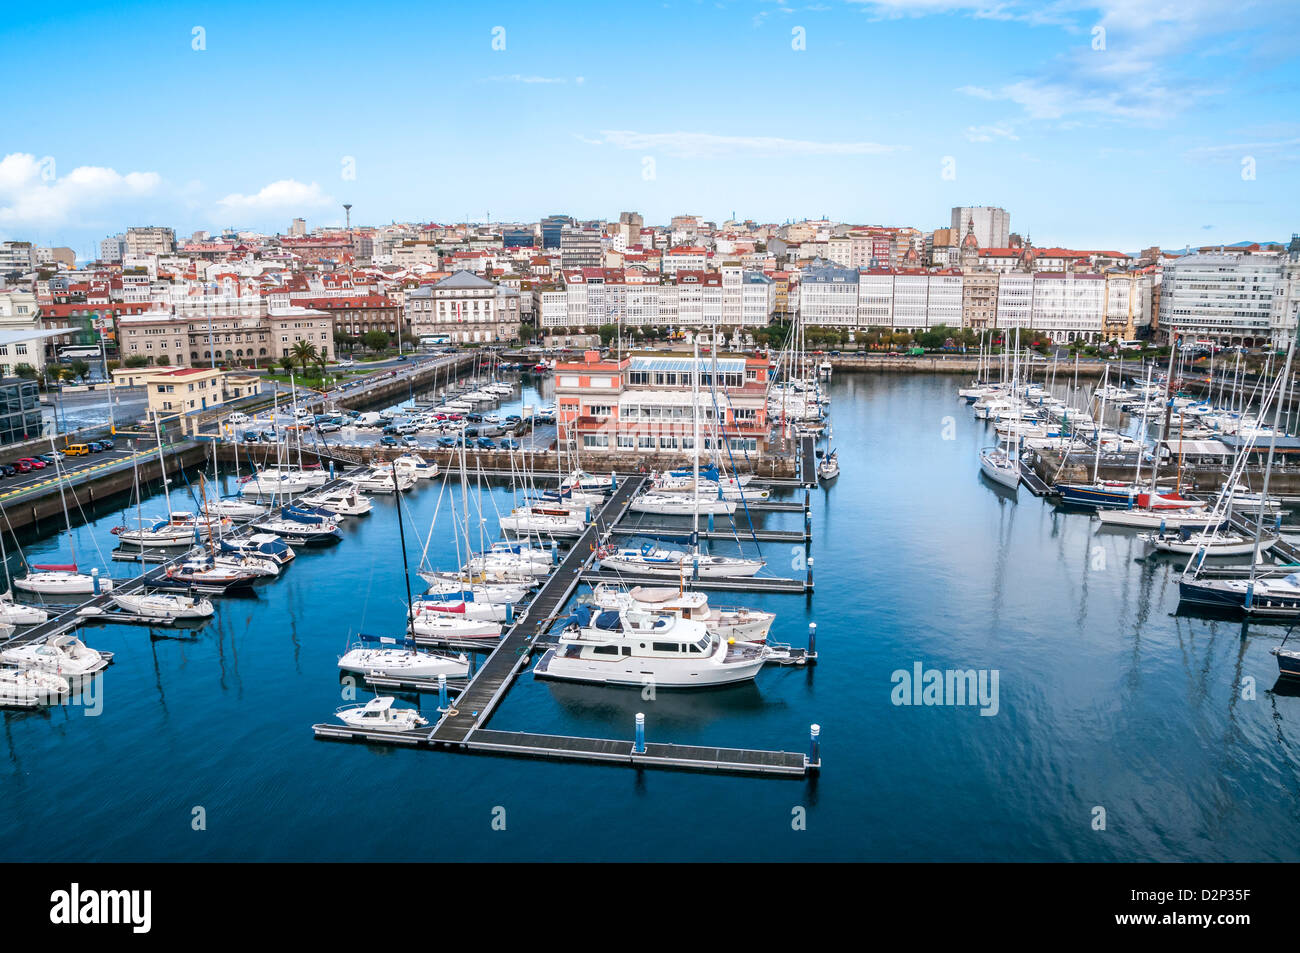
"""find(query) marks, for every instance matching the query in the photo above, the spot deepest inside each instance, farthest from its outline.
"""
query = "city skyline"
(1167, 127)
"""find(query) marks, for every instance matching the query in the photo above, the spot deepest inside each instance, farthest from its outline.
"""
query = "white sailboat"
(673, 562)
(397, 658)
(164, 605)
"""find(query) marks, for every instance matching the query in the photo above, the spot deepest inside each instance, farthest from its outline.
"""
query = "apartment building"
(1223, 297)
(470, 309)
(644, 404)
(144, 241)
(592, 297)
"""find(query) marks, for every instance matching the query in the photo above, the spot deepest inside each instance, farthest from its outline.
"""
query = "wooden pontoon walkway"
(486, 689)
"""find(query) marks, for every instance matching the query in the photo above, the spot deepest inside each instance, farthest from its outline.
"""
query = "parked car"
(237, 418)
(329, 427)
(509, 443)
(250, 436)
(75, 450)
(33, 463)
(486, 443)
(22, 466)
(471, 431)
(107, 443)
(410, 441)
(7, 469)
(446, 442)
(95, 446)
(388, 440)
(268, 436)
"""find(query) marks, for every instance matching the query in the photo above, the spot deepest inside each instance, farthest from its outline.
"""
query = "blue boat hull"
(1117, 499)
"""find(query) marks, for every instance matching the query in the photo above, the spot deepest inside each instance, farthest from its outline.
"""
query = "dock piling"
(814, 744)
(812, 638)
(639, 747)
(810, 575)
(442, 691)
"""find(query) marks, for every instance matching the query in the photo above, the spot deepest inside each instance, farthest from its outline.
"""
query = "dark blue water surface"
(1107, 700)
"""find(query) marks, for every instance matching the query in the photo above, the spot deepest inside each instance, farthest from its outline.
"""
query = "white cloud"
(703, 145)
(285, 194)
(990, 133)
(33, 194)
(531, 80)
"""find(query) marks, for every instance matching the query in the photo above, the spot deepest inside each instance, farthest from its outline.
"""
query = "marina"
(290, 626)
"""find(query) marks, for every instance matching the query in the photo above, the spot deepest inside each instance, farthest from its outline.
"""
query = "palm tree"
(305, 352)
(287, 363)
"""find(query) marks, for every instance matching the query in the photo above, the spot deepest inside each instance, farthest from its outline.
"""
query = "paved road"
(73, 467)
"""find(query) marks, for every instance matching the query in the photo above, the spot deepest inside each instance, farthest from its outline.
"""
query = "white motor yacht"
(616, 647)
(63, 655)
(29, 687)
(739, 623)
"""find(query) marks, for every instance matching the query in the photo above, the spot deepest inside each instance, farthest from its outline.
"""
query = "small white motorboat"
(378, 714)
(29, 687)
(63, 655)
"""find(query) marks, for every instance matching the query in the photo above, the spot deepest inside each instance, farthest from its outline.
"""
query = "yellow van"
(77, 450)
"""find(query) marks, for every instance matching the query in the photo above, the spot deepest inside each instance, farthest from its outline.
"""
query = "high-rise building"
(552, 228)
(992, 225)
(299, 228)
(580, 247)
(112, 248)
(1221, 297)
(629, 228)
(16, 257)
(147, 240)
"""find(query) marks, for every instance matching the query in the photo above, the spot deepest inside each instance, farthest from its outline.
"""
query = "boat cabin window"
(604, 649)
(695, 649)
(666, 647)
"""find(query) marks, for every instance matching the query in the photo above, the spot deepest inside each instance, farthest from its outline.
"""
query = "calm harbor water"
(1106, 699)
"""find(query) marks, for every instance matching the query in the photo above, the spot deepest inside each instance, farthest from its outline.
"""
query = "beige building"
(979, 300)
(187, 340)
(470, 309)
(185, 390)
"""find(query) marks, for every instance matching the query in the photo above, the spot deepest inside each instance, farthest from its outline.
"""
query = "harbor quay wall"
(966, 365)
(541, 463)
(1285, 480)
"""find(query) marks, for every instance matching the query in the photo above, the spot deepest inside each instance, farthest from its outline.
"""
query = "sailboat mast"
(695, 442)
(162, 464)
(406, 570)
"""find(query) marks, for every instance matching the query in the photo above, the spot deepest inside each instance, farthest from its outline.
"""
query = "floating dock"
(461, 726)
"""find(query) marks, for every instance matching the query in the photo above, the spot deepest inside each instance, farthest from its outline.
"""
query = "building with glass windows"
(20, 410)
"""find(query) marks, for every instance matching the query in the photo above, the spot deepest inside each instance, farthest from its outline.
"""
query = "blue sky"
(1133, 136)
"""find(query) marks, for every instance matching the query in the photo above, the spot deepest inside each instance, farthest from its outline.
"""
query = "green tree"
(164, 360)
(27, 372)
(305, 352)
(137, 360)
(79, 368)
(607, 332)
(287, 363)
(375, 340)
